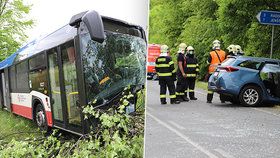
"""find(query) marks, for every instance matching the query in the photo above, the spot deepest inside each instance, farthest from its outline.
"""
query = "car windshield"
(228, 61)
(109, 67)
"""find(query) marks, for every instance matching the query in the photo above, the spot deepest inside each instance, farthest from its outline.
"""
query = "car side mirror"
(94, 23)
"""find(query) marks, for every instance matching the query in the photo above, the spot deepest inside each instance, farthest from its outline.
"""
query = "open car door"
(270, 75)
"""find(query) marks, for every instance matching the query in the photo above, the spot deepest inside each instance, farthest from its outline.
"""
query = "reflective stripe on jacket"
(192, 67)
(165, 66)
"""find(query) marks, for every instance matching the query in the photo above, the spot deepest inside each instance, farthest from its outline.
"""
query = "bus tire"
(40, 118)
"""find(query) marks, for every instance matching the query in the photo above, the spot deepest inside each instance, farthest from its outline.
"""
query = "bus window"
(12, 76)
(109, 67)
(22, 77)
(38, 74)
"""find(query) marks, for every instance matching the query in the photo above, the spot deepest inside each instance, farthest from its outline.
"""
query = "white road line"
(176, 125)
(271, 113)
(208, 153)
(225, 154)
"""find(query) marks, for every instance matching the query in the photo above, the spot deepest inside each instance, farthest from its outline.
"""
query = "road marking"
(225, 154)
(176, 125)
(208, 153)
(271, 113)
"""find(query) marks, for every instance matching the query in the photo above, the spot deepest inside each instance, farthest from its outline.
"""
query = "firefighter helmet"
(190, 50)
(164, 48)
(239, 50)
(216, 44)
(182, 47)
(231, 48)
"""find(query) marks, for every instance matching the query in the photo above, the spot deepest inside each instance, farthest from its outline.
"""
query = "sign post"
(269, 18)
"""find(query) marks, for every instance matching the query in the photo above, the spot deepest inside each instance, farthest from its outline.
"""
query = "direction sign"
(269, 17)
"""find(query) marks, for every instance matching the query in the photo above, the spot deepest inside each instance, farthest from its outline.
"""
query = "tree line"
(13, 24)
(199, 22)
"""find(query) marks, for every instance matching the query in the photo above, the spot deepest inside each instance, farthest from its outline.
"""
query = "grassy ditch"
(116, 135)
(16, 127)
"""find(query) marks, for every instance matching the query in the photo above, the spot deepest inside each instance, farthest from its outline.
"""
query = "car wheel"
(250, 96)
(40, 118)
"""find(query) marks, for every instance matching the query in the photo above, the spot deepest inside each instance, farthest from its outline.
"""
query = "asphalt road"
(198, 129)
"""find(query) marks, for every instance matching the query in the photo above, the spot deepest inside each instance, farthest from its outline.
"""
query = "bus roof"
(56, 38)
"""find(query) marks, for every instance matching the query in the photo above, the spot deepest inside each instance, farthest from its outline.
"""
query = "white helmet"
(216, 44)
(239, 50)
(182, 47)
(232, 49)
(190, 50)
(164, 48)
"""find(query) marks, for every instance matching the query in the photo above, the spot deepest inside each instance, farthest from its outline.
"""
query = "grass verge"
(202, 85)
(16, 127)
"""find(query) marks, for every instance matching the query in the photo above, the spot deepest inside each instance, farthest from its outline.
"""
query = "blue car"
(247, 80)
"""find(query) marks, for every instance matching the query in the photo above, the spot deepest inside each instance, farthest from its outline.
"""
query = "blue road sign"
(269, 17)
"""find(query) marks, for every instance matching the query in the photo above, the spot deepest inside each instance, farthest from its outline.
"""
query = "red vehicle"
(153, 53)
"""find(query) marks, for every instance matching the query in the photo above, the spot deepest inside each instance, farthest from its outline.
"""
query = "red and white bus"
(92, 58)
(153, 53)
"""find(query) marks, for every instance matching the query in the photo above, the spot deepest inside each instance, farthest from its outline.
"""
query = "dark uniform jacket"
(181, 57)
(192, 67)
(165, 67)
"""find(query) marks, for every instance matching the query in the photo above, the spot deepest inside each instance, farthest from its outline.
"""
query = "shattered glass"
(109, 67)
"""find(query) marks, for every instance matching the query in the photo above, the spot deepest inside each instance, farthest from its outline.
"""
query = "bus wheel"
(40, 118)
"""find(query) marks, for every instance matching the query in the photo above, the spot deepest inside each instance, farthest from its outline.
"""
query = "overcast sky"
(50, 15)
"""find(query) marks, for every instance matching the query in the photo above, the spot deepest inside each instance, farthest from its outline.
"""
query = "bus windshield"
(109, 67)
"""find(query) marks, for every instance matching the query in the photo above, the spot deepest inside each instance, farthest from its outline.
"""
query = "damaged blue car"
(250, 81)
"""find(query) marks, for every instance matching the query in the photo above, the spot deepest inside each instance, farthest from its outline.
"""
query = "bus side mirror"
(95, 26)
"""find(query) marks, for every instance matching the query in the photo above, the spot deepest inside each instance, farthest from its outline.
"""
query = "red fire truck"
(153, 53)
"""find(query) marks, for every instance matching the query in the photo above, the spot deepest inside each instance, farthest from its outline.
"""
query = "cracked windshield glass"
(110, 66)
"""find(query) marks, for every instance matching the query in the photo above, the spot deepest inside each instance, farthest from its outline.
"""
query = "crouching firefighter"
(192, 69)
(166, 72)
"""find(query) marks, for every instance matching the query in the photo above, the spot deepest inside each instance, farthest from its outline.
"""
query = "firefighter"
(231, 50)
(216, 56)
(192, 69)
(181, 76)
(167, 75)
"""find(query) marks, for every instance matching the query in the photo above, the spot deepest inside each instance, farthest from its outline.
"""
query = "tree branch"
(3, 4)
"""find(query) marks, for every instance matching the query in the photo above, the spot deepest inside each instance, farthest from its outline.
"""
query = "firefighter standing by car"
(192, 69)
(167, 75)
(235, 50)
(181, 76)
(231, 50)
(216, 57)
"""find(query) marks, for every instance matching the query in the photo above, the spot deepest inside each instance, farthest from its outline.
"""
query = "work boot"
(193, 98)
(185, 98)
(164, 102)
(208, 101)
(179, 98)
(175, 102)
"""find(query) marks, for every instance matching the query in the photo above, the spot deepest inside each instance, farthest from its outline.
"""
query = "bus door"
(64, 88)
